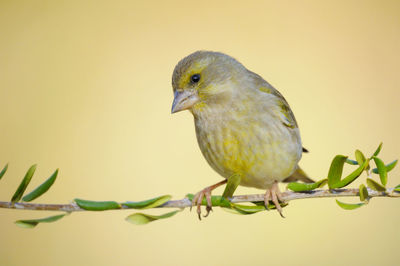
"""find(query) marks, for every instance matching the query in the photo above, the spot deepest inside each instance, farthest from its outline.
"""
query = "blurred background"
(85, 86)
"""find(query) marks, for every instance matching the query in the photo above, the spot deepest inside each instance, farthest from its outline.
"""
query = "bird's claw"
(274, 194)
(208, 210)
(198, 199)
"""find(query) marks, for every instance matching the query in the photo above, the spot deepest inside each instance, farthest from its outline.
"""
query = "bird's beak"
(184, 100)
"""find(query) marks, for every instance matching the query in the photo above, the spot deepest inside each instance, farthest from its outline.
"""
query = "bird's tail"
(299, 174)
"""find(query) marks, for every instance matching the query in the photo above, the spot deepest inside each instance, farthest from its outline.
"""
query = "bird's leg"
(274, 194)
(198, 198)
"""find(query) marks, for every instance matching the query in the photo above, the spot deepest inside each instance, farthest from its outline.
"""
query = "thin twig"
(184, 203)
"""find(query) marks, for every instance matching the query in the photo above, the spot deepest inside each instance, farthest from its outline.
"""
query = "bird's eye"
(195, 78)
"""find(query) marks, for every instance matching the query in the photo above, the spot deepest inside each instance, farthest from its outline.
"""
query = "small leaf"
(336, 170)
(299, 187)
(32, 223)
(141, 218)
(40, 190)
(216, 201)
(220, 202)
(360, 157)
(378, 150)
(375, 185)
(25, 182)
(351, 177)
(190, 196)
(3, 171)
(397, 188)
(348, 206)
(271, 206)
(233, 183)
(352, 162)
(381, 170)
(148, 204)
(97, 205)
(246, 209)
(389, 167)
(363, 193)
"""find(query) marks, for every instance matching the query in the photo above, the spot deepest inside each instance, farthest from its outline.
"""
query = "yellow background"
(85, 86)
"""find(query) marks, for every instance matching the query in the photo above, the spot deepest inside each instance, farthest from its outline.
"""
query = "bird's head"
(203, 78)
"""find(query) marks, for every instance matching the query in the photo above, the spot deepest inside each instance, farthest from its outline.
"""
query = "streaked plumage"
(243, 125)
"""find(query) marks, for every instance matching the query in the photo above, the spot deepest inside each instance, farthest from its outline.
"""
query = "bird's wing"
(286, 113)
(283, 111)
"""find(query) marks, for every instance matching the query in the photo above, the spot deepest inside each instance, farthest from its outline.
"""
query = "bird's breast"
(258, 147)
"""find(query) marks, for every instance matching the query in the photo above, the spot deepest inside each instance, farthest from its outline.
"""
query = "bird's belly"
(260, 153)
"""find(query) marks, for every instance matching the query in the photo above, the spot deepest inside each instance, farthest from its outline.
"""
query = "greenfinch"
(244, 126)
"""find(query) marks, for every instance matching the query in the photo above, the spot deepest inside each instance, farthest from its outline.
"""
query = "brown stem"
(183, 203)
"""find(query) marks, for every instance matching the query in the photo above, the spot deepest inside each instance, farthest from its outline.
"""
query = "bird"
(244, 126)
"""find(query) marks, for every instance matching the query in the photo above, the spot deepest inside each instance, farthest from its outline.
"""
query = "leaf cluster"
(18, 195)
(335, 179)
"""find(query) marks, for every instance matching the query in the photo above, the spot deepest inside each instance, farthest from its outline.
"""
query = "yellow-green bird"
(243, 125)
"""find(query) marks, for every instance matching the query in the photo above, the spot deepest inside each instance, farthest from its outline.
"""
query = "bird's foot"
(274, 194)
(205, 193)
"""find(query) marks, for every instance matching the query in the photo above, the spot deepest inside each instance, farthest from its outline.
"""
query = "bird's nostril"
(184, 100)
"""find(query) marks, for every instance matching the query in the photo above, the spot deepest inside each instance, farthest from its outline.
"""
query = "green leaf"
(97, 205)
(348, 206)
(141, 218)
(221, 202)
(360, 157)
(216, 201)
(25, 182)
(233, 183)
(336, 170)
(351, 177)
(298, 187)
(363, 193)
(397, 188)
(148, 204)
(389, 167)
(3, 171)
(246, 209)
(378, 150)
(271, 206)
(375, 185)
(191, 196)
(32, 223)
(381, 170)
(352, 162)
(40, 190)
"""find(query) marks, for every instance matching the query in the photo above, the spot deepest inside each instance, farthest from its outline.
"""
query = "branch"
(336, 182)
(185, 202)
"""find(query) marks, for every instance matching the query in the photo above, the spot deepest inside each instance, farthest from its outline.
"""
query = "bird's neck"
(217, 105)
